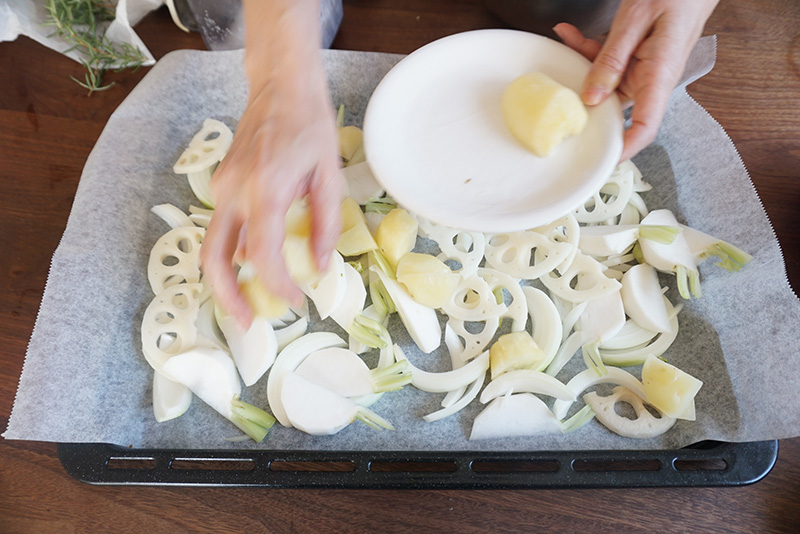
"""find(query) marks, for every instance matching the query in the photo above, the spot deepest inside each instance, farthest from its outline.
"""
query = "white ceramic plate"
(435, 137)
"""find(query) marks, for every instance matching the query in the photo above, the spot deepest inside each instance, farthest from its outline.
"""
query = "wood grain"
(49, 126)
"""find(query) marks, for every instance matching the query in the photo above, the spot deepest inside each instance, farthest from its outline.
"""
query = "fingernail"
(594, 95)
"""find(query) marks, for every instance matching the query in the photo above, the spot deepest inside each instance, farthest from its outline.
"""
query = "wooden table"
(47, 129)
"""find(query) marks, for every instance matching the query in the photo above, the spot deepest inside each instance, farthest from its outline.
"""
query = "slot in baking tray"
(707, 463)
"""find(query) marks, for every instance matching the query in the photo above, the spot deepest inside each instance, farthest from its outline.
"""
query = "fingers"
(264, 239)
(218, 248)
(612, 60)
(573, 38)
(325, 193)
(646, 117)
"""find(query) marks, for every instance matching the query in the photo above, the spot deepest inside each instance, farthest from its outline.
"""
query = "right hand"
(285, 147)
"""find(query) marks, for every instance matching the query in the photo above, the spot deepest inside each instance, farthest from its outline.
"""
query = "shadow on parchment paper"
(697, 349)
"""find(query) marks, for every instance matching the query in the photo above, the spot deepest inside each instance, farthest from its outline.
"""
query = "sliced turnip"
(319, 411)
(605, 240)
(211, 375)
(703, 246)
(329, 291)
(643, 298)
(675, 257)
(353, 302)
(361, 182)
(523, 414)
(170, 399)
(254, 350)
(344, 373)
(288, 360)
(420, 321)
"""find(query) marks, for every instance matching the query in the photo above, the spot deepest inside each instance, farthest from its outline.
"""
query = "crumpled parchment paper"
(85, 380)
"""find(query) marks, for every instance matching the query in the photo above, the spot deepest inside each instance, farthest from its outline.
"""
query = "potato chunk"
(541, 112)
(668, 388)
(428, 280)
(516, 350)
(355, 238)
(396, 235)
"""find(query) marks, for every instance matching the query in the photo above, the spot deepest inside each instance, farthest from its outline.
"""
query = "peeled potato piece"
(541, 112)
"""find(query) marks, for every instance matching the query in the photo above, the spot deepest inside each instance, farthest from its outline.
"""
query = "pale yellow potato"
(428, 280)
(541, 112)
(355, 238)
(513, 351)
(668, 388)
(396, 235)
(262, 302)
(350, 139)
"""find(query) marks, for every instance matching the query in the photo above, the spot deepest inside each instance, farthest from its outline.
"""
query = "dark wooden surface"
(47, 129)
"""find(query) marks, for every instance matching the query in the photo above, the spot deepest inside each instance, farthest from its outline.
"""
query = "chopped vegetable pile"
(516, 308)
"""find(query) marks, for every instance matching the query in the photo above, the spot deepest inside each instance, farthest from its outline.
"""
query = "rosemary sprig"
(83, 23)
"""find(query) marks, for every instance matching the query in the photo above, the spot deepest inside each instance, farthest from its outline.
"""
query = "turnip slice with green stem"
(319, 411)
(343, 372)
(601, 320)
(602, 241)
(211, 375)
(420, 321)
(704, 246)
(675, 257)
(643, 298)
(288, 360)
(606, 240)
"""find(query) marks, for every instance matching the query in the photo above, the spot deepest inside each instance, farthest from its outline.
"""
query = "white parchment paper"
(85, 380)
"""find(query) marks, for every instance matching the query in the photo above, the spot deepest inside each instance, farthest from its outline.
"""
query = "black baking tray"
(709, 463)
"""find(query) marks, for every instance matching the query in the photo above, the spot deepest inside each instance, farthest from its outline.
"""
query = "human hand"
(285, 147)
(642, 58)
